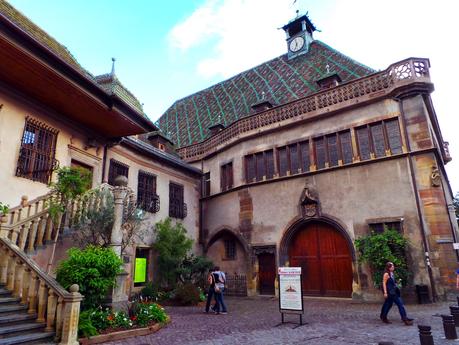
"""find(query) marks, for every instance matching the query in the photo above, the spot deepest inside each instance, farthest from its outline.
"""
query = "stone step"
(12, 308)
(6, 300)
(27, 338)
(20, 327)
(4, 292)
(17, 317)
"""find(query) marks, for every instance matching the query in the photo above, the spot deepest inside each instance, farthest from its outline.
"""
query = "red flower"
(133, 318)
(110, 317)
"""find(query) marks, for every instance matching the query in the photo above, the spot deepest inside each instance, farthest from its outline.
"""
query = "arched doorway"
(324, 255)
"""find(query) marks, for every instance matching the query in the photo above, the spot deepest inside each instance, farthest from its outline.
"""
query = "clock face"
(296, 44)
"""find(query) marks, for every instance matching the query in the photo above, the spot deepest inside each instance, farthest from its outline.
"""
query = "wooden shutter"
(393, 135)
(269, 158)
(320, 155)
(304, 153)
(346, 147)
(363, 142)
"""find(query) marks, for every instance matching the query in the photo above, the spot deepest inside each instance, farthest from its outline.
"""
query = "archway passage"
(324, 256)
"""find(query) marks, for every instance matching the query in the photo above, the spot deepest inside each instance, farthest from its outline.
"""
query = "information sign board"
(290, 290)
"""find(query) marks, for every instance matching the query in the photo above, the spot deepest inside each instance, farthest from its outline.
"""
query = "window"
(147, 199)
(382, 226)
(293, 158)
(142, 256)
(259, 166)
(177, 208)
(37, 154)
(116, 169)
(334, 149)
(230, 249)
(379, 139)
(304, 155)
(206, 184)
(283, 161)
(226, 176)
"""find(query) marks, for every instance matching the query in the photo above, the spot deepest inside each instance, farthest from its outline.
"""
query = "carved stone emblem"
(435, 178)
(309, 203)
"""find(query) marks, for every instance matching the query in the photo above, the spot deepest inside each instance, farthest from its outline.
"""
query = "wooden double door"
(323, 254)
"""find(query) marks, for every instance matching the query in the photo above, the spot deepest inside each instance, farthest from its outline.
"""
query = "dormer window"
(329, 80)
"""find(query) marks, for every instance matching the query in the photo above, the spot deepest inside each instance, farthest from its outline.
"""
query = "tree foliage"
(194, 270)
(456, 205)
(94, 269)
(377, 249)
(94, 224)
(172, 245)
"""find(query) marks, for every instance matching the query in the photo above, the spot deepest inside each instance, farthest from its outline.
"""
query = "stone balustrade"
(53, 305)
(358, 91)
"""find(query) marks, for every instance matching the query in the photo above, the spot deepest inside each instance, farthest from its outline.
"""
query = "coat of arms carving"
(309, 203)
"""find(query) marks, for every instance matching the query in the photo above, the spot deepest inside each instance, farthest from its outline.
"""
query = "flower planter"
(129, 333)
(3, 219)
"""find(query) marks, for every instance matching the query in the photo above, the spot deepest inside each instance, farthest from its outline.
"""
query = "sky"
(167, 50)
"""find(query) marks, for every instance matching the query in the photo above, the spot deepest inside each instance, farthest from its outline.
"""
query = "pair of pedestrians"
(216, 280)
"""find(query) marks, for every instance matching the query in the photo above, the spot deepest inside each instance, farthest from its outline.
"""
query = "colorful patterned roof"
(280, 80)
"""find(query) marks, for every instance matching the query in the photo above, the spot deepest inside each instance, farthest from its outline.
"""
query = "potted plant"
(4, 209)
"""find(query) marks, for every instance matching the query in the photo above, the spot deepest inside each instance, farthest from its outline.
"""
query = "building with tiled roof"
(280, 80)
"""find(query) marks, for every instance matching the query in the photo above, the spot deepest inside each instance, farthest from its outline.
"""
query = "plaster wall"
(70, 144)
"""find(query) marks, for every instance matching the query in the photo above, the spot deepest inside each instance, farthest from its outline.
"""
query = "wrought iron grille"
(236, 285)
(177, 208)
(116, 169)
(147, 199)
(37, 154)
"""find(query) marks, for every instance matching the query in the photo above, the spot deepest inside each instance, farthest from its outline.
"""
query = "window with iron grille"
(37, 153)
(177, 208)
(147, 199)
(230, 249)
(382, 226)
(379, 139)
(259, 166)
(206, 184)
(117, 169)
(226, 176)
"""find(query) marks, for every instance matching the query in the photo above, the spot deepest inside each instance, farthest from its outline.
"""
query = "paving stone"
(255, 321)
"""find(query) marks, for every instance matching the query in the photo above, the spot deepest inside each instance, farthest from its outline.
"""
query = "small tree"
(94, 226)
(94, 269)
(172, 245)
(194, 269)
(377, 249)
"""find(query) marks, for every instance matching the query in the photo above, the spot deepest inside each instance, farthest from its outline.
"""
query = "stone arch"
(299, 223)
(227, 230)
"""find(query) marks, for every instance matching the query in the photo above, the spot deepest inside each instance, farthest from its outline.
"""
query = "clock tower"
(299, 35)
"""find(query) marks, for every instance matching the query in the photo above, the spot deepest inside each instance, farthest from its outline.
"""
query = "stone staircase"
(34, 308)
(19, 327)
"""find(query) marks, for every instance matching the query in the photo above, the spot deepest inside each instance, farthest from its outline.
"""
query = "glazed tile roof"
(279, 80)
(110, 83)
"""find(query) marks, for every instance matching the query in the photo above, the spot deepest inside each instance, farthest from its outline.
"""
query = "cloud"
(238, 33)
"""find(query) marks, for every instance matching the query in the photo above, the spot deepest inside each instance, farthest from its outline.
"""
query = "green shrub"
(150, 292)
(187, 294)
(94, 269)
(145, 313)
(85, 325)
(377, 249)
(172, 245)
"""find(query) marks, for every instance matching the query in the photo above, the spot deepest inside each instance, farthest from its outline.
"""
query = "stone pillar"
(119, 296)
(70, 316)
(119, 194)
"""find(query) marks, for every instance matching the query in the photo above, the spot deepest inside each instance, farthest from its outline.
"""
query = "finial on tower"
(113, 66)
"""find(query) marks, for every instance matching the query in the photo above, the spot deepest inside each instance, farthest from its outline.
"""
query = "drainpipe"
(104, 163)
(201, 237)
(418, 204)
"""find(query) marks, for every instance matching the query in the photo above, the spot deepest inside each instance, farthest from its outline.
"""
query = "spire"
(113, 67)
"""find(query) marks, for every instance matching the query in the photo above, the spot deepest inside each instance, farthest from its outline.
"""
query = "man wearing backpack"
(219, 279)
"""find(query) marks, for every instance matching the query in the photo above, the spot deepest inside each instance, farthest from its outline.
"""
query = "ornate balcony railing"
(373, 86)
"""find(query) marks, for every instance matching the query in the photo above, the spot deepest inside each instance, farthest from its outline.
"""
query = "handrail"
(50, 281)
(396, 75)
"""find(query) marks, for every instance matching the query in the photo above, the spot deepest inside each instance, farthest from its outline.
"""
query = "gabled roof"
(280, 80)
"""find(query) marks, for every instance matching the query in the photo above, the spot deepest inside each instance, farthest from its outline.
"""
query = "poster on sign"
(290, 291)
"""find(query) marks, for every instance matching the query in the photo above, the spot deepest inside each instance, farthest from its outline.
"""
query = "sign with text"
(290, 290)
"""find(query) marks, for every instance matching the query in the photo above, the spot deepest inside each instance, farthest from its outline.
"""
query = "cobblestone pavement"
(255, 320)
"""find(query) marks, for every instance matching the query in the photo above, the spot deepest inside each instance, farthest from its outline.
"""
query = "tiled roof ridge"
(26, 24)
(325, 45)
